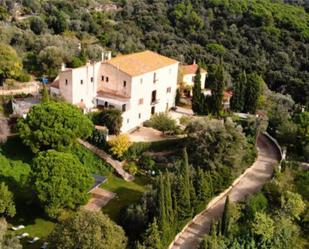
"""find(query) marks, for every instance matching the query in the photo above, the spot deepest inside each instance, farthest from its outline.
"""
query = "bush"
(163, 122)
(119, 145)
(132, 168)
(98, 138)
(110, 118)
(136, 150)
(256, 203)
(23, 77)
(146, 163)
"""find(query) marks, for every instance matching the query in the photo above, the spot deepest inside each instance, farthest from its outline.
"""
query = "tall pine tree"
(197, 95)
(162, 205)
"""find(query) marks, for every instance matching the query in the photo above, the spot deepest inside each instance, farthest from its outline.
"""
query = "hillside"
(267, 37)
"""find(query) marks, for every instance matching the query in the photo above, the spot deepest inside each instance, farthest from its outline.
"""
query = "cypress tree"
(202, 186)
(253, 92)
(152, 238)
(45, 95)
(161, 204)
(184, 204)
(225, 223)
(168, 200)
(238, 98)
(217, 91)
(197, 95)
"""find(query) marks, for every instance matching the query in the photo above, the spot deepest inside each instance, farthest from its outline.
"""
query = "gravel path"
(250, 182)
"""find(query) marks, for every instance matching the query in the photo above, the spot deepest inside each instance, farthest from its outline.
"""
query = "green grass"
(127, 193)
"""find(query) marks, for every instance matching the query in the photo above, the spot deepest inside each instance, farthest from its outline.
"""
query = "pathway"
(99, 198)
(117, 165)
(248, 183)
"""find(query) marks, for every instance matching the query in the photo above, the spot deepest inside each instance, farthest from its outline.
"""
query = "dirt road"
(248, 183)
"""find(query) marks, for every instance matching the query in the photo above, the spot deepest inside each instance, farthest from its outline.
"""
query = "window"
(107, 79)
(81, 82)
(91, 79)
(169, 90)
(141, 101)
(82, 100)
(170, 71)
(193, 77)
(124, 83)
(124, 107)
(102, 78)
(139, 116)
(128, 121)
(66, 82)
(153, 96)
(155, 78)
(141, 80)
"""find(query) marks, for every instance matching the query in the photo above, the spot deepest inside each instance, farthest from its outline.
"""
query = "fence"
(29, 88)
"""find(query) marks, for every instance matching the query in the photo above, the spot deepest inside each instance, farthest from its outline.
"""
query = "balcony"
(154, 101)
(107, 100)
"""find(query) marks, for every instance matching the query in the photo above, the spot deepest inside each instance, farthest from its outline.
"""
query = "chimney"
(63, 67)
(106, 55)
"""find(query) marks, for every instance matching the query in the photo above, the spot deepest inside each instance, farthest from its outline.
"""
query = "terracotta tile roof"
(191, 69)
(54, 84)
(140, 63)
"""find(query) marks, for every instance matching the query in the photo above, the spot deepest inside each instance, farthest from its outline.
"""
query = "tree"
(37, 25)
(197, 95)
(292, 204)
(253, 92)
(49, 60)
(152, 236)
(225, 224)
(53, 125)
(45, 94)
(10, 63)
(112, 119)
(263, 226)
(215, 145)
(60, 181)
(7, 206)
(87, 230)
(239, 92)
(163, 122)
(183, 201)
(7, 240)
(119, 145)
(217, 90)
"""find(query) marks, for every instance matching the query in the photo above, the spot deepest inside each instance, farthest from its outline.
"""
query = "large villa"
(138, 84)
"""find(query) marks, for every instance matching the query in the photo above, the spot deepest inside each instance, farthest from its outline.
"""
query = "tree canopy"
(53, 125)
(88, 230)
(60, 181)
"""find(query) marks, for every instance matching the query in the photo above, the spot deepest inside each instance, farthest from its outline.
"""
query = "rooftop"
(140, 63)
(191, 69)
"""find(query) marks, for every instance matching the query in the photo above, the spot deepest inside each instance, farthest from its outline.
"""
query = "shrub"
(256, 203)
(163, 122)
(119, 145)
(147, 163)
(112, 119)
(136, 150)
(131, 167)
(98, 138)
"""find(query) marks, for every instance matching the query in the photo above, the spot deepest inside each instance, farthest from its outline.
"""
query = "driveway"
(248, 183)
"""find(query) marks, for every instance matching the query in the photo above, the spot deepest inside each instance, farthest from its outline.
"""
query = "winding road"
(248, 183)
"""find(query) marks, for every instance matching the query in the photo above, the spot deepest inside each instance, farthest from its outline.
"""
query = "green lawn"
(127, 193)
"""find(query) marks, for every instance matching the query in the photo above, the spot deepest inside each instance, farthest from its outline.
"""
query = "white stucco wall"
(189, 79)
(139, 113)
(76, 92)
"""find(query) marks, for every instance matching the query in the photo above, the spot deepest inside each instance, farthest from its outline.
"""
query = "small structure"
(22, 106)
(187, 75)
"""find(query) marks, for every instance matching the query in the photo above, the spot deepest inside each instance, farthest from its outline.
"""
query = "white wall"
(167, 77)
(75, 92)
(189, 79)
